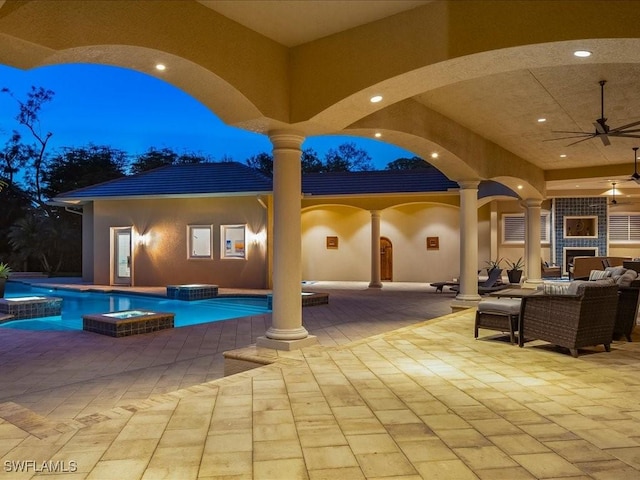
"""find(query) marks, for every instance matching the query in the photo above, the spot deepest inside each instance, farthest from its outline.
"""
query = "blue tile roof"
(192, 179)
(233, 177)
(377, 181)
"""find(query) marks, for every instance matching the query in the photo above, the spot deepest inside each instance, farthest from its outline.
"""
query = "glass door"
(122, 256)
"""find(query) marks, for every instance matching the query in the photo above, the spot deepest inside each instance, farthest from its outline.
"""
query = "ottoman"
(499, 314)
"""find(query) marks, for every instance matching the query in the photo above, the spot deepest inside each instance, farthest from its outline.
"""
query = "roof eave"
(75, 200)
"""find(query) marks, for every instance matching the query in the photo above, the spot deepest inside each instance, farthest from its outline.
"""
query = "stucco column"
(375, 250)
(286, 331)
(533, 269)
(468, 293)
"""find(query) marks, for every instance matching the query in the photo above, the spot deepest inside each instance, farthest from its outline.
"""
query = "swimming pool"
(76, 303)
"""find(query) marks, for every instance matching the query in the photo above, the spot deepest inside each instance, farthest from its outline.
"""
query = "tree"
(343, 159)
(14, 156)
(263, 162)
(28, 117)
(311, 163)
(412, 163)
(347, 157)
(14, 203)
(154, 158)
(82, 166)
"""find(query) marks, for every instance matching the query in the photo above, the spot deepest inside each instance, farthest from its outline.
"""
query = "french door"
(121, 256)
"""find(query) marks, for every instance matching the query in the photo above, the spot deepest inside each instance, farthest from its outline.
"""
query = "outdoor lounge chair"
(492, 284)
(572, 320)
(548, 271)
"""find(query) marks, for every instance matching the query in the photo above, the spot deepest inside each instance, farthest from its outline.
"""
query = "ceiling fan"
(602, 130)
(635, 176)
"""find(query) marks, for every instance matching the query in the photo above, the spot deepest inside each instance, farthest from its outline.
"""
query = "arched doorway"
(386, 260)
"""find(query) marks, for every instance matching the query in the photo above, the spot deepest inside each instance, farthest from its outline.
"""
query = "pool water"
(76, 303)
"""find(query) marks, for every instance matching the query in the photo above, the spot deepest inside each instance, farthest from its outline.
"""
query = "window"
(624, 228)
(199, 241)
(233, 241)
(513, 227)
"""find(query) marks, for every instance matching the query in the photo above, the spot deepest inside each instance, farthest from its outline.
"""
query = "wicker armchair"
(627, 310)
(572, 321)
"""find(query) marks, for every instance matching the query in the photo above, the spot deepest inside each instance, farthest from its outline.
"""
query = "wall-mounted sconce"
(144, 239)
(259, 238)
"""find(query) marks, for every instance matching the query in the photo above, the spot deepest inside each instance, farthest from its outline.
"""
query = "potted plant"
(493, 264)
(5, 270)
(515, 270)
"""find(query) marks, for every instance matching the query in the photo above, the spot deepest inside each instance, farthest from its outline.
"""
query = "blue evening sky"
(131, 111)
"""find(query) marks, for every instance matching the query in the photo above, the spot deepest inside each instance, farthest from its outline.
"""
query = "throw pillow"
(626, 279)
(555, 288)
(615, 271)
(598, 274)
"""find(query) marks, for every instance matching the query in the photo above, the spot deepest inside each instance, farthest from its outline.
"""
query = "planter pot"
(3, 282)
(514, 276)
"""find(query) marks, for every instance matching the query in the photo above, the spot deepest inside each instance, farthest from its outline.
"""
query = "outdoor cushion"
(616, 271)
(626, 279)
(509, 306)
(599, 274)
(550, 288)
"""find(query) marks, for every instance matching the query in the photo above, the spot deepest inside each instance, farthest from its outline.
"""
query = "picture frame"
(332, 242)
(433, 243)
(233, 241)
(581, 226)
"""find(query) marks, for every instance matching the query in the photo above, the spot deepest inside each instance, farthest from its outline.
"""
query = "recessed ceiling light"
(582, 53)
(377, 134)
(376, 99)
(542, 120)
(564, 155)
(520, 187)
(161, 67)
(434, 155)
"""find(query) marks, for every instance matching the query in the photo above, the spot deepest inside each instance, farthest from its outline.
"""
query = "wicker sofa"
(627, 311)
(582, 317)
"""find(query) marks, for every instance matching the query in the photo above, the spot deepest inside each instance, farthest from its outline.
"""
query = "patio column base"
(375, 285)
(458, 304)
(288, 345)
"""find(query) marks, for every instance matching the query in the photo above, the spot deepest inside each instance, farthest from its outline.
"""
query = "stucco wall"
(163, 261)
(351, 260)
(406, 226)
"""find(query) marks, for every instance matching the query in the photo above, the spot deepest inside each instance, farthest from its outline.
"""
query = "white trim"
(204, 243)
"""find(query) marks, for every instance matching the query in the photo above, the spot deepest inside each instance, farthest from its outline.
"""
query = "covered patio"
(395, 388)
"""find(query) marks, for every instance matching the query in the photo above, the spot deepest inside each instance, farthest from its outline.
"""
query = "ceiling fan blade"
(605, 140)
(569, 131)
(585, 136)
(583, 140)
(624, 134)
(624, 127)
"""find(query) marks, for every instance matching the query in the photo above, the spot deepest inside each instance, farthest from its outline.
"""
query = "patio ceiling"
(481, 67)
(501, 107)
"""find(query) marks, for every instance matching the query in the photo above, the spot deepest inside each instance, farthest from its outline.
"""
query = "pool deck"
(397, 388)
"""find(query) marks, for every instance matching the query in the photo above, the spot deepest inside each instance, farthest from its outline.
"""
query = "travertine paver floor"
(422, 401)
